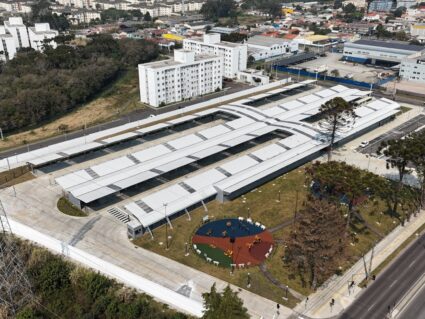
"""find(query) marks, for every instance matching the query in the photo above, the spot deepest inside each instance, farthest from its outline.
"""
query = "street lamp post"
(166, 226)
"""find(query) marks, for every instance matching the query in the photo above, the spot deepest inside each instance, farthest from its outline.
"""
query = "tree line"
(63, 289)
(36, 87)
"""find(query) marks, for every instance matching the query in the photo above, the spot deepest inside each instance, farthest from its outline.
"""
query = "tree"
(336, 113)
(417, 149)
(401, 36)
(316, 244)
(335, 73)
(340, 182)
(398, 153)
(223, 305)
(39, 8)
(381, 32)
(36, 86)
(399, 12)
(234, 37)
(147, 16)
(349, 8)
(215, 9)
(415, 42)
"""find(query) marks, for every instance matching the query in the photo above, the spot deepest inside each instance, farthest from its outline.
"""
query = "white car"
(152, 115)
(364, 144)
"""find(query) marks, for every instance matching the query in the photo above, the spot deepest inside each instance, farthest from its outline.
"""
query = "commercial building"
(413, 69)
(380, 52)
(186, 76)
(235, 55)
(262, 47)
(39, 34)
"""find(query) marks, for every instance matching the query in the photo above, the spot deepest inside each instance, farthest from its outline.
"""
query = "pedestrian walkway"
(318, 304)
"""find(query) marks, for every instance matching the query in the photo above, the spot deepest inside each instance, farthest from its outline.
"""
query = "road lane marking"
(411, 264)
(371, 307)
(393, 283)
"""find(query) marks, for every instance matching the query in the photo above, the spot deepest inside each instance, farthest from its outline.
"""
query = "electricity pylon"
(15, 288)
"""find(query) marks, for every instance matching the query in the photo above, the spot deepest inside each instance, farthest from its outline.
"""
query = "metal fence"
(321, 76)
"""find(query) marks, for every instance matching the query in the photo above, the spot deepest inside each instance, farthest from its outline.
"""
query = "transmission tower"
(15, 288)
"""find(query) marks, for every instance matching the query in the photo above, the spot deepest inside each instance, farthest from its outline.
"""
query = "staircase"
(119, 214)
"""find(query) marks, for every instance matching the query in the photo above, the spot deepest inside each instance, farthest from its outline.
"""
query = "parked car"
(364, 144)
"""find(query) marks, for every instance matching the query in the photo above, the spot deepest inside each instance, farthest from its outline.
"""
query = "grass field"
(15, 176)
(120, 98)
(263, 205)
(67, 208)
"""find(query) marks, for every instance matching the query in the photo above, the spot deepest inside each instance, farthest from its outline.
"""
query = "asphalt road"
(415, 308)
(396, 133)
(131, 117)
(379, 299)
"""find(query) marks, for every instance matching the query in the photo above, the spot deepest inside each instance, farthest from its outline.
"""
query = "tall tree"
(341, 182)
(223, 305)
(215, 9)
(337, 113)
(398, 153)
(417, 147)
(317, 242)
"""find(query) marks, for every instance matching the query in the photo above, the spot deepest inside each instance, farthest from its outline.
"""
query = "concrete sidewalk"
(318, 304)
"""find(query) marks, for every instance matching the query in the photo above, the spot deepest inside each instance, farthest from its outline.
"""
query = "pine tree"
(398, 154)
(316, 244)
(338, 180)
(336, 114)
(223, 305)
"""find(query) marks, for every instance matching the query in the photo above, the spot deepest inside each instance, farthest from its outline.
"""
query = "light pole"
(1, 134)
(166, 226)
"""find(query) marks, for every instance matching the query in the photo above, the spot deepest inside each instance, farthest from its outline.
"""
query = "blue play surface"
(236, 229)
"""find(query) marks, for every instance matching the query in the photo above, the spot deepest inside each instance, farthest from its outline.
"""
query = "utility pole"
(15, 288)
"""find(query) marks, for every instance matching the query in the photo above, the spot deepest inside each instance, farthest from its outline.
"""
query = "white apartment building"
(184, 77)
(7, 45)
(16, 6)
(262, 47)
(413, 69)
(14, 35)
(18, 30)
(39, 33)
(235, 55)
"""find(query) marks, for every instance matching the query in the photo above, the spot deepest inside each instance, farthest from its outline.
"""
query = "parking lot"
(402, 130)
(358, 72)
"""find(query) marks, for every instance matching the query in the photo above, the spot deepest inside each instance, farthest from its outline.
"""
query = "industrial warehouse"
(219, 153)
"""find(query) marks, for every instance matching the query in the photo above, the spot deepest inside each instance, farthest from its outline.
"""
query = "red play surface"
(241, 252)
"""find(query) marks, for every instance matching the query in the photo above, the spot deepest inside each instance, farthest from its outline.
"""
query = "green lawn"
(67, 208)
(263, 205)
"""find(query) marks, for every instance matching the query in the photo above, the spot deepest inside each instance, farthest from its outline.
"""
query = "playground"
(233, 242)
